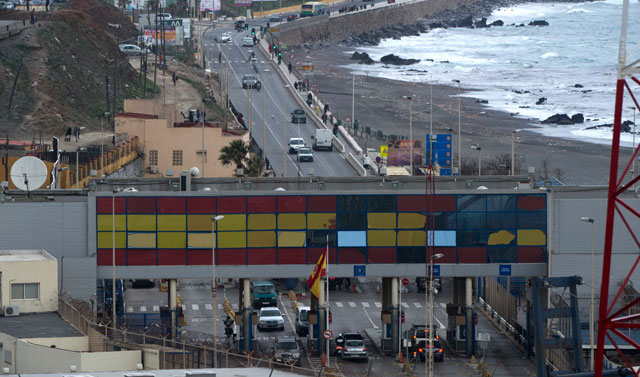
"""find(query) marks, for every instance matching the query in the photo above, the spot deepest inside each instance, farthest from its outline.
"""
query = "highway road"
(264, 111)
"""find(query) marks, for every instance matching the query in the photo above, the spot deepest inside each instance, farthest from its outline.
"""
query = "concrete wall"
(8, 352)
(44, 272)
(151, 358)
(338, 28)
(72, 343)
(110, 361)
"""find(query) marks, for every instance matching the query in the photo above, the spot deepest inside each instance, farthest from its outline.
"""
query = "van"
(263, 293)
(302, 320)
(323, 139)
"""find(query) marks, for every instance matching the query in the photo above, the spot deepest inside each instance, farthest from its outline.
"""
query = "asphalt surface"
(269, 107)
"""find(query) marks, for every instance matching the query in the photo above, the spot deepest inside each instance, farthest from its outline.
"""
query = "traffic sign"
(405, 281)
(347, 119)
(298, 62)
(327, 334)
(505, 270)
(360, 270)
(384, 151)
(292, 56)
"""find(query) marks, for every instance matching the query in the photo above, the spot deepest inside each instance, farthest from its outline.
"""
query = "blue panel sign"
(360, 270)
(436, 270)
(505, 270)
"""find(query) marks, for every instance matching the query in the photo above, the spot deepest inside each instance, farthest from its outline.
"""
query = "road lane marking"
(220, 306)
(365, 304)
(339, 304)
(156, 308)
(405, 305)
(184, 308)
(352, 304)
(130, 309)
(418, 305)
(143, 308)
(208, 307)
(369, 318)
(378, 305)
(195, 307)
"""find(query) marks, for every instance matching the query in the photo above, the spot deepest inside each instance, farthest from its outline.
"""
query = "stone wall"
(335, 29)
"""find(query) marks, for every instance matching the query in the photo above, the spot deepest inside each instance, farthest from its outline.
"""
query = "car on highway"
(251, 82)
(263, 293)
(350, 346)
(239, 25)
(302, 320)
(131, 50)
(295, 143)
(163, 16)
(247, 42)
(6, 5)
(305, 154)
(270, 319)
(423, 349)
(287, 351)
(298, 116)
(275, 18)
(292, 17)
(225, 38)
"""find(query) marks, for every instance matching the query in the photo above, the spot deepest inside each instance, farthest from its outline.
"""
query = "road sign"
(384, 151)
(405, 281)
(347, 119)
(298, 62)
(306, 70)
(505, 270)
(360, 270)
(327, 334)
(436, 270)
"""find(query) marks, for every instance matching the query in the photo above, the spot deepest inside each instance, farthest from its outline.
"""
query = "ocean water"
(514, 66)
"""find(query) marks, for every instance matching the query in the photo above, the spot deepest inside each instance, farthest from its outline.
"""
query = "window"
(177, 158)
(201, 155)
(153, 157)
(26, 291)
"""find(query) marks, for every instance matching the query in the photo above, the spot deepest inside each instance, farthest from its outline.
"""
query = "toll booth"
(461, 328)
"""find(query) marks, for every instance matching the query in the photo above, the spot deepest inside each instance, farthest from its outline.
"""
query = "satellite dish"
(28, 173)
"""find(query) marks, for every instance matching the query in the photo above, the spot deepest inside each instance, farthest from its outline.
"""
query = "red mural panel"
(141, 205)
(174, 205)
(141, 257)
(448, 254)
(232, 204)
(169, 257)
(531, 203)
(321, 203)
(292, 255)
(531, 255)
(348, 255)
(472, 255)
(202, 204)
(292, 203)
(105, 257)
(261, 204)
(382, 255)
(261, 256)
(231, 257)
(199, 257)
(314, 255)
(420, 203)
(104, 205)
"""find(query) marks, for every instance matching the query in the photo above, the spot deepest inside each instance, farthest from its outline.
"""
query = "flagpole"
(326, 302)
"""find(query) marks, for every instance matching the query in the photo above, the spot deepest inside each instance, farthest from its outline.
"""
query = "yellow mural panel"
(232, 240)
(381, 238)
(261, 239)
(172, 240)
(291, 239)
(141, 222)
(105, 239)
(200, 223)
(172, 222)
(200, 240)
(141, 240)
(411, 221)
(265, 221)
(381, 220)
(531, 237)
(503, 237)
(105, 222)
(321, 220)
(292, 221)
(233, 222)
(412, 238)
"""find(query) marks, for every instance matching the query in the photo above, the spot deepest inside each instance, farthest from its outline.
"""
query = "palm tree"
(255, 166)
(235, 152)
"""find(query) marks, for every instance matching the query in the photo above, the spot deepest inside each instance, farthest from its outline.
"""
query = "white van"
(323, 139)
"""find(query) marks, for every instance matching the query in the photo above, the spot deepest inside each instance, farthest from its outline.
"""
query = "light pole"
(214, 220)
(410, 132)
(429, 365)
(101, 144)
(592, 302)
(204, 68)
(479, 149)
(633, 143)
(513, 143)
(459, 133)
(353, 101)
(284, 136)
(80, 149)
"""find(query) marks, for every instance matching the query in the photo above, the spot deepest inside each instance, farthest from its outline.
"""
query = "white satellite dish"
(28, 173)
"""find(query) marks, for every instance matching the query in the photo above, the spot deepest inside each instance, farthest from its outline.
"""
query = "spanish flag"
(313, 283)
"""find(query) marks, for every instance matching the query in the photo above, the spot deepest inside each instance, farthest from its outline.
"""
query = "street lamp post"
(592, 302)
(284, 137)
(410, 132)
(513, 144)
(214, 220)
(479, 149)
(459, 133)
(204, 68)
(429, 365)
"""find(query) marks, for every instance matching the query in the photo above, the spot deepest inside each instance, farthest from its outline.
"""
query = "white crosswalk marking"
(208, 306)
(405, 305)
(444, 306)
(378, 305)
(235, 307)
(195, 307)
(339, 304)
(352, 304)
(418, 305)
(143, 308)
(156, 308)
(220, 306)
(130, 309)
(365, 304)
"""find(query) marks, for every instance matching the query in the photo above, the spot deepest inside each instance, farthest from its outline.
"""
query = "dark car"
(292, 17)
(421, 284)
(338, 283)
(298, 116)
(275, 18)
(251, 82)
(305, 155)
(143, 283)
(423, 349)
(342, 338)
(239, 25)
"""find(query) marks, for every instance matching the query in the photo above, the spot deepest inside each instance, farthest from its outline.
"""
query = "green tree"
(255, 166)
(236, 152)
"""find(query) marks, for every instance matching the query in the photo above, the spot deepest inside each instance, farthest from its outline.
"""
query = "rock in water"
(396, 60)
(362, 58)
(497, 23)
(558, 119)
(481, 23)
(465, 22)
(577, 118)
(541, 100)
(539, 23)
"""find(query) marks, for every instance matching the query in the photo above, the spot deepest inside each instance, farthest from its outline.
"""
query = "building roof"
(24, 255)
(37, 325)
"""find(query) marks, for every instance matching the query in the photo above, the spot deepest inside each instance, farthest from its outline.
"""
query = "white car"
(131, 50)
(270, 318)
(247, 42)
(295, 143)
(226, 38)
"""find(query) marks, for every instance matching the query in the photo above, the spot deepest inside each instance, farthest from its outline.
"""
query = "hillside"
(63, 64)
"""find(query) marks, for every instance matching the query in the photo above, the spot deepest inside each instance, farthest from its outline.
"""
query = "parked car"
(298, 116)
(302, 320)
(3, 5)
(143, 283)
(247, 42)
(275, 18)
(287, 351)
(263, 293)
(305, 154)
(163, 16)
(131, 50)
(295, 143)
(270, 318)
(251, 82)
(8, 5)
(350, 346)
